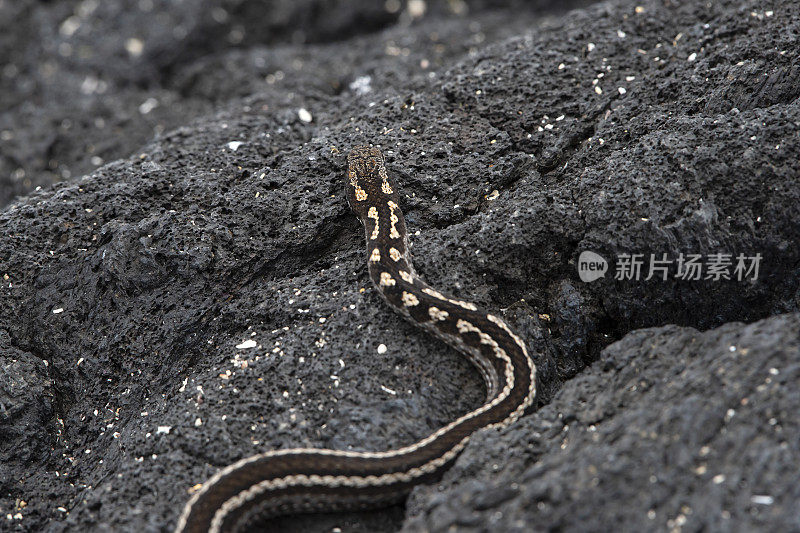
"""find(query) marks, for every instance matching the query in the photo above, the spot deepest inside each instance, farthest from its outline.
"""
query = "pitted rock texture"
(186, 286)
(670, 429)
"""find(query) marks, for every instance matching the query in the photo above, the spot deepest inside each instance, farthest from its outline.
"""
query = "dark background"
(87, 82)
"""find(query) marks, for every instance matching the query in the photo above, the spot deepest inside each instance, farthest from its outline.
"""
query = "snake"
(307, 480)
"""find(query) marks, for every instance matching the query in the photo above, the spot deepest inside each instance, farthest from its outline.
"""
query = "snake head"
(365, 160)
(368, 182)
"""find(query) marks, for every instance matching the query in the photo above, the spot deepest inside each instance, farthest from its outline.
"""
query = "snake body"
(310, 480)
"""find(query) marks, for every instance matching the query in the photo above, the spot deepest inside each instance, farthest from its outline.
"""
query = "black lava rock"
(182, 284)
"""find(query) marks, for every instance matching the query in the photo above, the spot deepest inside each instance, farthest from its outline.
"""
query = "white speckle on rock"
(361, 85)
(148, 105)
(381, 348)
(598, 90)
(304, 115)
(762, 499)
(58, 310)
(163, 430)
(416, 8)
(621, 90)
(692, 57)
(134, 46)
(234, 145)
(69, 26)
(198, 422)
(249, 343)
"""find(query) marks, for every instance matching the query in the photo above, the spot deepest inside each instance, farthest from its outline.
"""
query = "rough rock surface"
(205, 296)
(670, 429)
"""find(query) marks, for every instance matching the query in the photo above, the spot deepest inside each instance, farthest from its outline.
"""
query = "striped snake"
(305, 480)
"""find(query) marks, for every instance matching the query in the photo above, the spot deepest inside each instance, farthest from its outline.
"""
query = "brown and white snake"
(308, 480)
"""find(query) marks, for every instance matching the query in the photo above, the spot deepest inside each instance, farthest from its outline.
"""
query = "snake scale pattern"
(311, 480)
